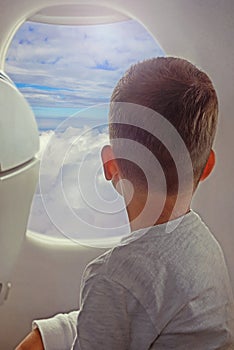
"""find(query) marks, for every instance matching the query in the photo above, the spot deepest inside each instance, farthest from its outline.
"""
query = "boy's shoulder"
(166, 270)
(151, 252)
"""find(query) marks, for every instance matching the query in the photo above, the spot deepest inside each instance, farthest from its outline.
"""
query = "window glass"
(67, 74)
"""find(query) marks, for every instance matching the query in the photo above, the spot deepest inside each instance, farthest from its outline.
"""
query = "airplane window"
(67, 74)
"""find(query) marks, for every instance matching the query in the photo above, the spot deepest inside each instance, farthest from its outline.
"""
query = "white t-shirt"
(156, 290)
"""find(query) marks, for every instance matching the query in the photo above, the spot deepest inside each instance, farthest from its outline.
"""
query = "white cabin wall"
(45, 281)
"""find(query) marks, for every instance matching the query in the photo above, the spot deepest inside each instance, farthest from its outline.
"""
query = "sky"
(67, 74)
(63, 69)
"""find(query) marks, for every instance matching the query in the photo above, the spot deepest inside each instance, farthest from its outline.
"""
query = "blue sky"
(63, 69)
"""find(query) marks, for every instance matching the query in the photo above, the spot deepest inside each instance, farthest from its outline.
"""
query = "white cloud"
(73, 198)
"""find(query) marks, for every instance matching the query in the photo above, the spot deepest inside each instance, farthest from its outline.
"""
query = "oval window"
(67, 74)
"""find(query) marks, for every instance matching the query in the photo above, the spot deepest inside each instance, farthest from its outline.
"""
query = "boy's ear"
(209, 166)
(109, 163)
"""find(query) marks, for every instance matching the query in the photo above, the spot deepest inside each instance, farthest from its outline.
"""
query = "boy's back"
(158, 290)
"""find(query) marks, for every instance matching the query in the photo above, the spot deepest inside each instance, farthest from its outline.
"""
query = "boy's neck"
(145, 211)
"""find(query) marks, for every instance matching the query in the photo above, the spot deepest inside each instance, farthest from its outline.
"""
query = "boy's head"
(180, 93)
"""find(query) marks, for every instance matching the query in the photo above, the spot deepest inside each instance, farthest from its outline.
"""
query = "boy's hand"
(33, 341)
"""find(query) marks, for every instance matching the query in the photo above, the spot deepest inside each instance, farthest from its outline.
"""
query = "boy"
(166, 285)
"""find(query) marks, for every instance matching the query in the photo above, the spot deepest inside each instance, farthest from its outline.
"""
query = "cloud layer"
(73, 199)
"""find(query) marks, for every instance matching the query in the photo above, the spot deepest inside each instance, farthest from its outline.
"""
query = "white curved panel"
(16, 191)
(77, 15)
(19, 140)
